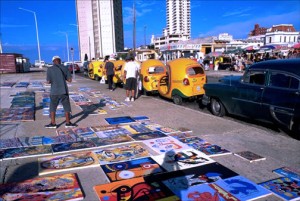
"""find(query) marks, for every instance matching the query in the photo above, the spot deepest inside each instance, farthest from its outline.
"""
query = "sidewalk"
(278, 150)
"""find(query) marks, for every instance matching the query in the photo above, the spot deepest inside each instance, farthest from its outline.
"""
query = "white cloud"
(237, 12)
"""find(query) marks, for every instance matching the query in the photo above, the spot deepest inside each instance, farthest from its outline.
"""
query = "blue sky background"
(208, 18)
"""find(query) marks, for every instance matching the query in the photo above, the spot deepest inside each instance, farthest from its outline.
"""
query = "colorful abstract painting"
(72, 146)
(163, 145)
(53, 164)
(178, 160)
(58, 187)
(130, 169)
(135, 189)
(119, 120)
(121, 153)
(23, 152)
(116, 139)
(148, 136)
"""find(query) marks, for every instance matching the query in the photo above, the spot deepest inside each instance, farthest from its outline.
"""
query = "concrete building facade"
(100, 27)
(282, 34)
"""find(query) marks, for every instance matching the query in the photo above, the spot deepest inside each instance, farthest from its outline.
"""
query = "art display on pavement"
(250, 156)
(119, 120)
(73, 161)
(288, 172)
(47, 140)
(10, 143)
(130, 169)
(148, 136)
(121, 153)
(116, 139)
(23, 152)
(179, 160)
(31, 141)
(73, 146)
(163, 145)
(135, 189)
(58, 187)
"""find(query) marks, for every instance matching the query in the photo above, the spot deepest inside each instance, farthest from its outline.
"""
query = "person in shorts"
(130, 75)
(57, 75)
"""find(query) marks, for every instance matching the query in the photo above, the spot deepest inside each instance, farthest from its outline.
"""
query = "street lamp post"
(78, 40)
(37, 34)
(72, 53)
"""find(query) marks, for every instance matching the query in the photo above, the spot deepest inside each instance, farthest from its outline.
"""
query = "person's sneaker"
(51, 126)
(70, 125)
(127, 99)
(132, 99)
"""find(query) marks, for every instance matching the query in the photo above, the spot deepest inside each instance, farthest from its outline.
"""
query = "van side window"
(195, 71)
(283, 80)
(254, 77)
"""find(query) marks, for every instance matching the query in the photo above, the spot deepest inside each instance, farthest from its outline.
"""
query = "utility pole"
(134, 28)
(145, 27)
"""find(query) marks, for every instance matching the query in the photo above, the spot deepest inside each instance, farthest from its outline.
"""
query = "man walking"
(130, 75)
(57, 76)
(110, 72)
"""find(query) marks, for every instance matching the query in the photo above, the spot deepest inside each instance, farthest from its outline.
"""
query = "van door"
(281, 96)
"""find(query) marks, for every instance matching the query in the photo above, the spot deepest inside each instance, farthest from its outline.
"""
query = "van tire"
(177, 99)
(97, 78)
(217, 108)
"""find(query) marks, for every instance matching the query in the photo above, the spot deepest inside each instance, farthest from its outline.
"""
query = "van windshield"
(195, 71)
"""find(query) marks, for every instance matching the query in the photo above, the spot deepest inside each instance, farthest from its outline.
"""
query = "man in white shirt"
(130, 75)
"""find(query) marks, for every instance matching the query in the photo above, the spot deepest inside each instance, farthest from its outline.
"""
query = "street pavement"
(278, 150)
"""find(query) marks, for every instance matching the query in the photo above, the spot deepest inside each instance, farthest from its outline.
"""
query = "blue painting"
(119, 120)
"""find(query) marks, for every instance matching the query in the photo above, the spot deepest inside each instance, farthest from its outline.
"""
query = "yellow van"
(95, 70)
(151, 72)
(119, 65)
(184, 79)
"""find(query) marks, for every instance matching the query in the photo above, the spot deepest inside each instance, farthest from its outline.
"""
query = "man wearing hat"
(57, 75)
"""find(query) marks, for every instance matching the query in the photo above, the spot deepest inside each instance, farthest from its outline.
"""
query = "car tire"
(177, 100)
(97, 78)
(217, 108)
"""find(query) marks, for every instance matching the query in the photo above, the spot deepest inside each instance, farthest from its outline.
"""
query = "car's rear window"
(283, 80)
(195, 71)
(156, 70)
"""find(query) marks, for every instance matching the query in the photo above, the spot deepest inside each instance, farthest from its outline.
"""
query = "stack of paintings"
(249, 156)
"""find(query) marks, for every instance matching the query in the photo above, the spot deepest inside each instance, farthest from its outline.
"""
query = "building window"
(280, 39)
(285, 39)
(270, 40)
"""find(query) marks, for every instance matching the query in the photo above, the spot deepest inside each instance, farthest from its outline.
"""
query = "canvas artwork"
(119, 120)
(148, 136)
(135, 189)
(213, 150)
(47, 140)
(179, 160)
(10, 143)
(179, 135)
(23, 152)
(84, 132)
(104, 127)
(288, 172)
(7, 84)
(139, 128)
(121, 153)
(73, 146)
(163, 145)
(130, 169)
(166, 130)
(58, 187)
(284, 187)
(31, 141)
(242, 188)
(74, 161)
(193, 142)
(116, 139)
(182, 179)
(111, 133)
(250, 156)
(65, 132)
(22, 85)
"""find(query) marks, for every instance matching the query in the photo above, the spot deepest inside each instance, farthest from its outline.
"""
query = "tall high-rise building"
(179, 17)
(100, 27)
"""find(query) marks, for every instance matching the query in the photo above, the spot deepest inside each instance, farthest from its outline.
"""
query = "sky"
(56, 21)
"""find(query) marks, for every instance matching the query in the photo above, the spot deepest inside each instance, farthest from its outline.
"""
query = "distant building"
(225, 37)
(282, 34)
(178, 23)
(258, 33)
(100, 27)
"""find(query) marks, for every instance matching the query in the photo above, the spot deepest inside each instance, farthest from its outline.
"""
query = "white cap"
(55, 57)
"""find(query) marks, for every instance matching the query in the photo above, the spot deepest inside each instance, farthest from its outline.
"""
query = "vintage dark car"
(268, 91)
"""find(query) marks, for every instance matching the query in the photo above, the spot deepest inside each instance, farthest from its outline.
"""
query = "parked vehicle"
(76, 68)
(184, 79)
(268, 91)
(95, 70)
(39, 63)
(119, 65)
(151, 72)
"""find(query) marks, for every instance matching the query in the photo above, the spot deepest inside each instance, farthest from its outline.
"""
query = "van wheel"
(217, 107)
(177, 100)
(97, 78)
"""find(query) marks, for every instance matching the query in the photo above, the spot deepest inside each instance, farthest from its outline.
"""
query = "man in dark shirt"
(110, 72)
(57, 76)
